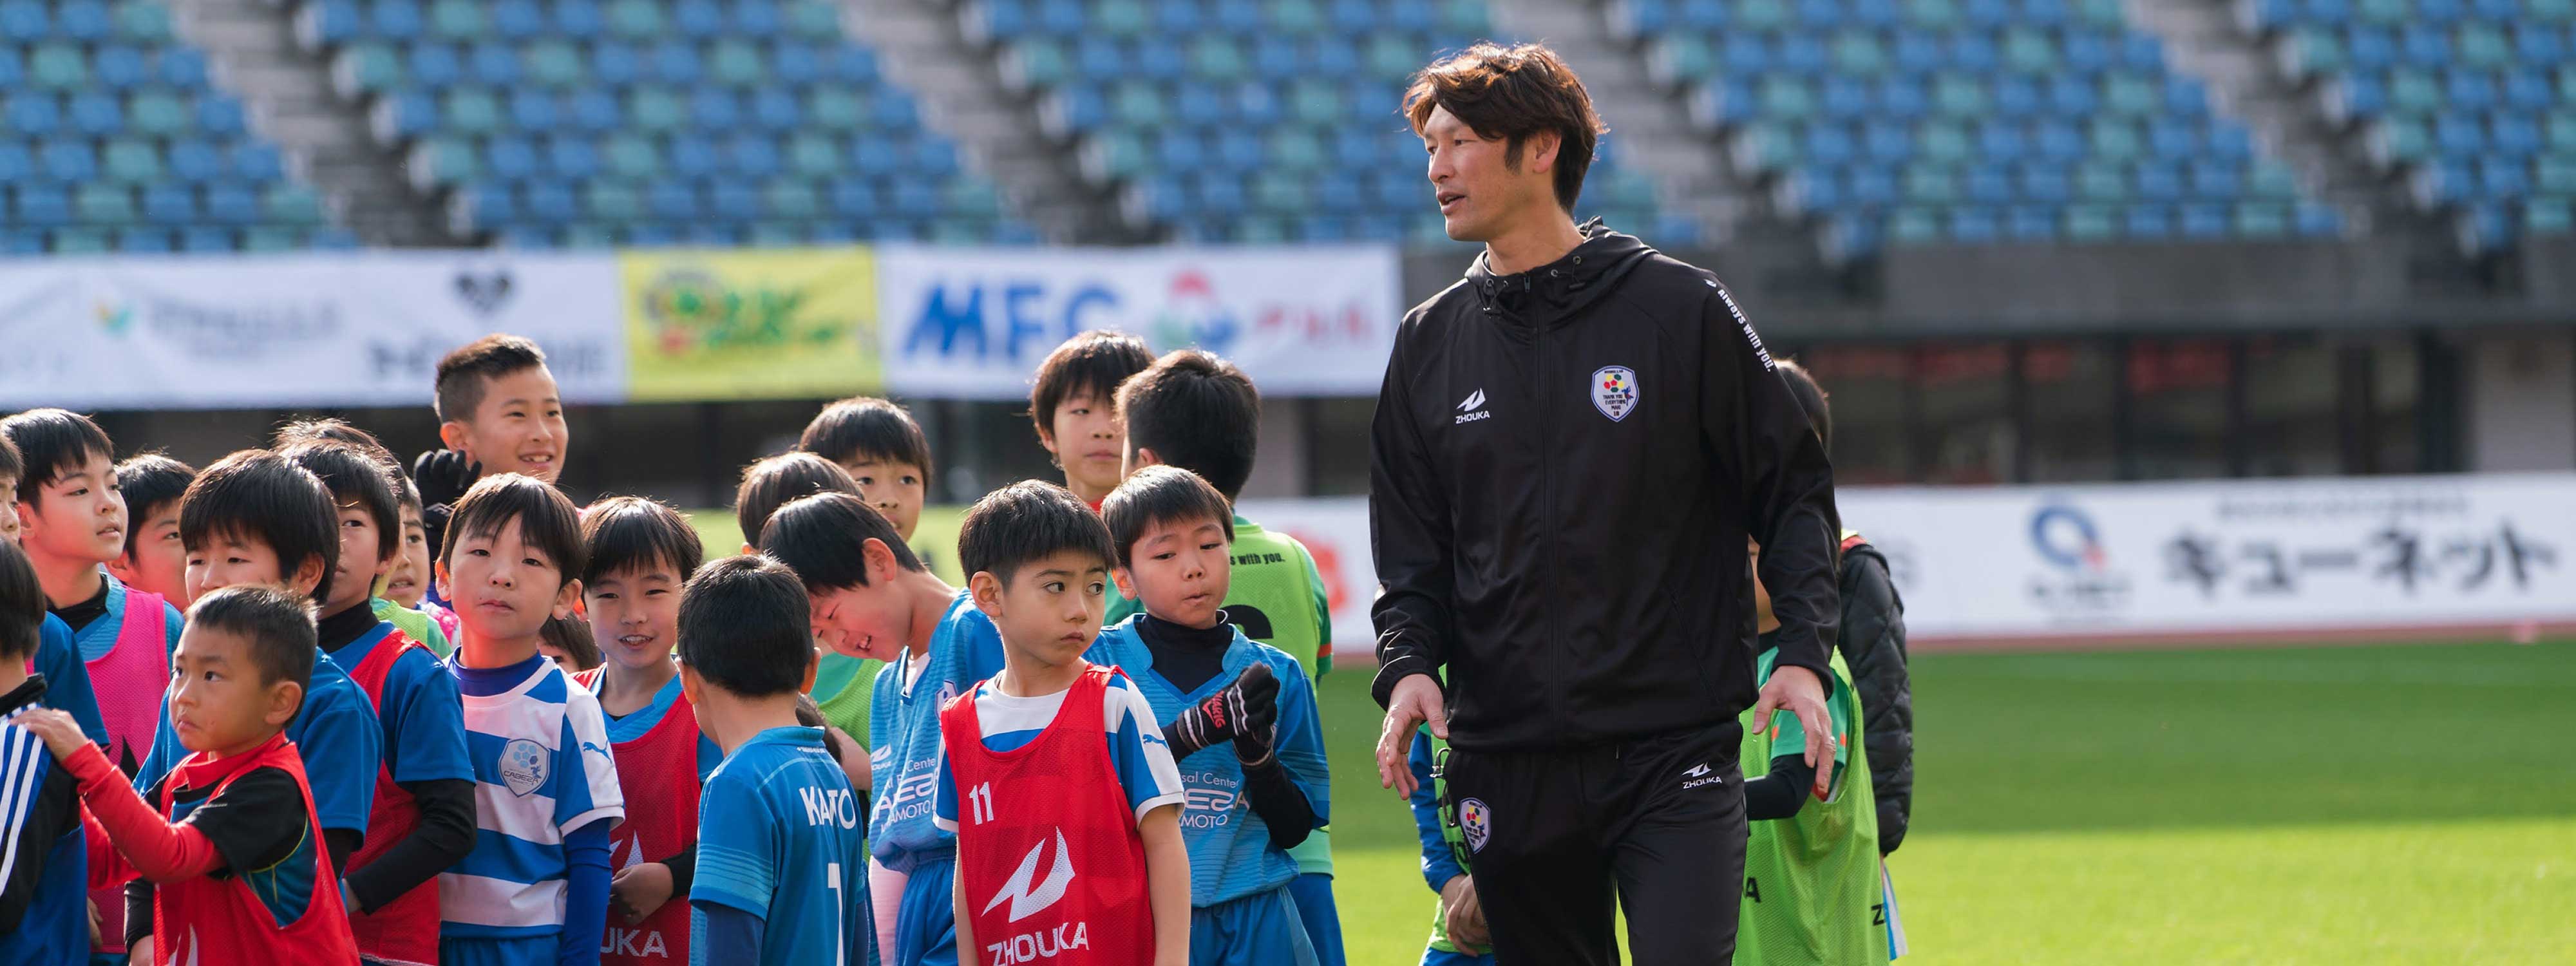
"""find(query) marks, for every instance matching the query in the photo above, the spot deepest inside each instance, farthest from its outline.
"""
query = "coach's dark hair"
(277, 624)
(864, 429)
(52, 443)
(149, 482)
(631, 533)
(354, 477)
(779, 480)
(823, 538)
(1513, 92)
(1161, 495)
(338, 430)
(1090, 364)
(745, 627)
(1021, 523)
(22, 604)
(1196, 411)
(258, 495)
(1811, 400)
(464, 374)
(547, 521)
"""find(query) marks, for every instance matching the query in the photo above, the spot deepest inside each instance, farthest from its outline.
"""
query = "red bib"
(129, 679)
(658, 772)
(405, 931)
(1048, 855)
(202, 919)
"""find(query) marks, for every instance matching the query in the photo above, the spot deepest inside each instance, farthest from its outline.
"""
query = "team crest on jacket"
(1476, 821)
(523, 766)
(1614, 391)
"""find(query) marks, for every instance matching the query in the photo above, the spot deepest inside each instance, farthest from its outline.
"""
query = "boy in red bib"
(1068, 838)
(641, 552)
(228, 838)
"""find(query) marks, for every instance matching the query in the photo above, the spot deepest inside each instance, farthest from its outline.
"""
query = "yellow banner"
(750, 323)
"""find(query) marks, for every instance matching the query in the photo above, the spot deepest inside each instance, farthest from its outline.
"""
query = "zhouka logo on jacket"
(1472, 408)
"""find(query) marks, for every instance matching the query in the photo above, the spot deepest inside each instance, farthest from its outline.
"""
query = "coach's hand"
(1795, 690)
(1416, 699)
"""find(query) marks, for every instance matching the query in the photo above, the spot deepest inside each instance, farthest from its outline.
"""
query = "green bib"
(1811, 881)
(843, 688)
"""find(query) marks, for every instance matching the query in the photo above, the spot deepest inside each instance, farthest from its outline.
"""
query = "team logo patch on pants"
(1477, 822)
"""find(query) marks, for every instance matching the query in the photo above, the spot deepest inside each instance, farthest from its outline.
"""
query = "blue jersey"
(423, 719)
(67, 685)
(778, 837)
(1230, 852)
(903, 722)
(1147, 776)
(53, 927)
(336, 733)
(542, 770)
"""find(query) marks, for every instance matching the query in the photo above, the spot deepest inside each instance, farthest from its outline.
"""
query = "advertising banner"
(750, 323)
(1335, 530)
(339, 329)
(2228, 559)
(974, 322)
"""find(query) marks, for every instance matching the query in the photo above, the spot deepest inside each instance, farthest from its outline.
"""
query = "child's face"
(9, 516)
(895, 489)
(635, 615)
(504, 588)
(517, 428)
(1181, 571)
(1086, 440)
(1050, 610)
(159, 563)
(355, 580)
(225, 560)
(407, 580)
(82, 516)
(873, 621)
(218, 702)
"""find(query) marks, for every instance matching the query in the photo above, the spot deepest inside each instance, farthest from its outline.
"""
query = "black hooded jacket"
(1565, 464)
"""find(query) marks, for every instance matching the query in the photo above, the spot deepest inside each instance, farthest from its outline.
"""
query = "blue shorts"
(515, 951)
(1261, 929)
(1434, 957)
(1323, 919)
(925, 924)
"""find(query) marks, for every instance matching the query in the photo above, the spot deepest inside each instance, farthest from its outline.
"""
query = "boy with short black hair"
(535, 887)
(884, 451)
(412, 566)
(778, 823)
(44, 875)
(844, 686)
(228, 845)
(639, 555)
(1252, 803)
(255, 518)
(153, 560)
(423, 815)
(1071, 401)
(499, 411)
(870, 597)
(57, 657)
(1041, 561)
(1196, 411)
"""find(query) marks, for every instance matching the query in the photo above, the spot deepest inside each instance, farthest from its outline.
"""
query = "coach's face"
(1479, 192)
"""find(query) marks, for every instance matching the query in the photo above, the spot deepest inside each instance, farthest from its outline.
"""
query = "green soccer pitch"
(2335, 805)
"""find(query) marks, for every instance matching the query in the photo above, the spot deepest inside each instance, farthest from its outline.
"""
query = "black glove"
(1250, 704)
(442, 476)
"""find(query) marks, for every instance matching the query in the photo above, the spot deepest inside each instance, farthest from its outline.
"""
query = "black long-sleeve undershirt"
(1189, 658)
(1781, 793)
(445, 834)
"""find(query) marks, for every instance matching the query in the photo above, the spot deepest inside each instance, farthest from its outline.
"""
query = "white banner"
(1336, 531)
(2221, 559)
(338, 329)
(975, 322)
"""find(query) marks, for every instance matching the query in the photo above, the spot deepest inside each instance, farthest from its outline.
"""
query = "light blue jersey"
(1230, 852)
(778, 837)
(903, 727)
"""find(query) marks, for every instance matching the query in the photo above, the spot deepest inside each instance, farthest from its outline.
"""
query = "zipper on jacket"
(1547, 516)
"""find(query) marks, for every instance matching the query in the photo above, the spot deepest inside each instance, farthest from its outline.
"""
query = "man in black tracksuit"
(1570, 449)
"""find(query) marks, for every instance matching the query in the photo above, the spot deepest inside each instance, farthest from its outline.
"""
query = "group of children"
(307, 706)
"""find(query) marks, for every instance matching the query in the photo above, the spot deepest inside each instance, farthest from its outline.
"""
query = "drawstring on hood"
(1552, 294)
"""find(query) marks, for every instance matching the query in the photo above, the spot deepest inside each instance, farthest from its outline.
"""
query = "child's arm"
(428, 760)
(965, 923)
(159, 851)
(1439, 861)
(733, 936)
(1167, 881)
(29, 824)
(67, 684)
(1781, 793)
(585, 894)
(1283, 766)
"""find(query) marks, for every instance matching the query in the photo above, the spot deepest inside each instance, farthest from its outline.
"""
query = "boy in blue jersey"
(535, 888)
(44, 917)
(1041, 560)
(411, 564)
(57, 657)
(779, 851)
(870, 597)
(255, 518)
(1250, 803)
(423, 816)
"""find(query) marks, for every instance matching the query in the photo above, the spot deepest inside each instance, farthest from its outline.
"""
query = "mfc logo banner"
(974, 323)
